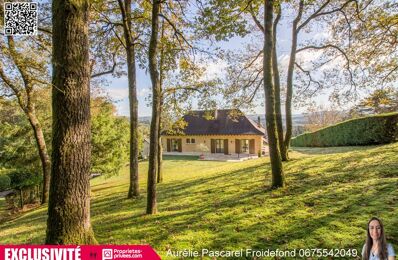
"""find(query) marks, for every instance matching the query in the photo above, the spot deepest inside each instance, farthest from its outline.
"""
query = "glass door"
(219, 146)
(244, 146)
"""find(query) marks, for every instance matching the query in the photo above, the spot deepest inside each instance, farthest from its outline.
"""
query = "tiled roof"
(220, 122)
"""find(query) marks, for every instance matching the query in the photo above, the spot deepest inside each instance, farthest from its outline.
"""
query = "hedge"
(377, 129)
(21, 179)
(5, 182)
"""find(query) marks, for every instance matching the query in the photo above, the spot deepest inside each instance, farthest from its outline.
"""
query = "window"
(174, 145)
(219, 146)
(190, 140)
(244, 146)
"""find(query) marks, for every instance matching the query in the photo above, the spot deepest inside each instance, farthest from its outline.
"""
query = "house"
(226, 131)
(145, 149)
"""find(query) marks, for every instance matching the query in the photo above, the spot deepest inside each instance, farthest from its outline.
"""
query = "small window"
(188, 141)
(192, 140)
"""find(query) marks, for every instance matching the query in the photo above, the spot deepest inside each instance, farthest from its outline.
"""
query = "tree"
(69, 202)
(22, 74)
(31, 72)
(156, 101)
(379, 101)
(110, 138)
(19, 161)
(180, 78)
(277, 83)
(371, 46)
(172, 52)
(129, 45)
(278, 179)
(258, 68)
(360, 41)
(18, 150)
(123, 23)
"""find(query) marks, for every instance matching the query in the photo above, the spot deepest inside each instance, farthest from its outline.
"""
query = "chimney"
(215, 113)
(258, 121)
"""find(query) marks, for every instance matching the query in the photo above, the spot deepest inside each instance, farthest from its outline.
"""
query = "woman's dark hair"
(382, 242)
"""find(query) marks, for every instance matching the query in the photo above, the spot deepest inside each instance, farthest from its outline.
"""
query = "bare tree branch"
(107, 71)
(14, 88)
(169, 91)
(256, 21)
(45, 30)
(336, 48)
(249, 64)
(177, 33)
(314, 15)
(311, 80)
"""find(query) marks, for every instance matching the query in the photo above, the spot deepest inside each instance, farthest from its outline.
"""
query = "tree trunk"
(131, 72)
(289, 84)
(160, 148)
(69, 202)
(21, 195)
(278, 179)
(275, 72)
(43, 154)
(156, 99)
(160, 162)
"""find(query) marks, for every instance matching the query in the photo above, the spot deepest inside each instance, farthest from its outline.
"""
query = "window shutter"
(251, 146)
(180, 145)
(237, 146)
(168, 144)
(226, 146)
(213, 145)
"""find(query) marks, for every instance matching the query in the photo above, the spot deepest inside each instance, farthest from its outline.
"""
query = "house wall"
(206, 140)
(145, 150)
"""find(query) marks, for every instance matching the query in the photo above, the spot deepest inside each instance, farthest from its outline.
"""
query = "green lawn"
(330, 195)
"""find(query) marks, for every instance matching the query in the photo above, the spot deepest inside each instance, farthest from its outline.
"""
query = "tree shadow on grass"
(30, 226)
(235, 209)
(217, 207)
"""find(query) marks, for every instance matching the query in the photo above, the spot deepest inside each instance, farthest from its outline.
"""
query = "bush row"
(377, 129)
(19, 179)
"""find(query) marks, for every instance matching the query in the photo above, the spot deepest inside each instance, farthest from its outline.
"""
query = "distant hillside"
(144, 119)
(298, 122)
(298, 119)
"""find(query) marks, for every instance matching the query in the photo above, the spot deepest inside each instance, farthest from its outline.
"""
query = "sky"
(117, 88)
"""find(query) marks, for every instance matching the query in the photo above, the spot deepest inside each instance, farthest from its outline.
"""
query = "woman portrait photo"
(376, 246)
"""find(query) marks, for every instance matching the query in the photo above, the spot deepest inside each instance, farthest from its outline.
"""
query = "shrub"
(5, 182)
(377, 129)
(21, 179)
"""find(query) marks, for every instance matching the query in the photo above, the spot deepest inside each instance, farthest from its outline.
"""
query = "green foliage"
(377, 129)
(379, 101)
(110, 138)
(222, 19)
(18, 149)
(21, 179)
(5, 182)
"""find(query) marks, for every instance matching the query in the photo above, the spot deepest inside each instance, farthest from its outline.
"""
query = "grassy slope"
(330, 196)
